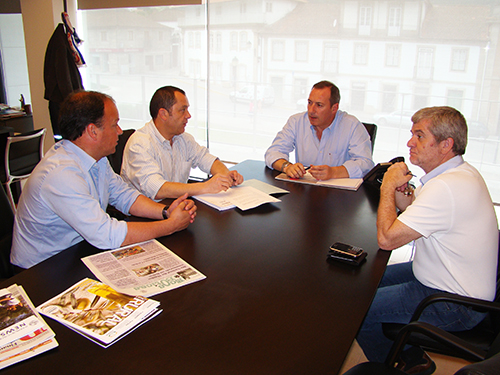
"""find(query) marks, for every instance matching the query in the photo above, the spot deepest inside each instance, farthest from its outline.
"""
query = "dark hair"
(164, 97)
(334, 91)
(79, 109)
(445, 122)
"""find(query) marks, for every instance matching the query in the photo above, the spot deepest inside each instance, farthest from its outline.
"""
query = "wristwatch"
(164, 212)
(284, 165)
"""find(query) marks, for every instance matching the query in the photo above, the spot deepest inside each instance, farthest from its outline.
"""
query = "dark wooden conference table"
(271, 303)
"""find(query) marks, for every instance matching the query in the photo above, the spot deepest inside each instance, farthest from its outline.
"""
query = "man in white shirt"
(453, 223)
(158, 157)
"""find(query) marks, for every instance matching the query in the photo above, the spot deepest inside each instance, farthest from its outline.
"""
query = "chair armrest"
(455, 298)
(441, 336)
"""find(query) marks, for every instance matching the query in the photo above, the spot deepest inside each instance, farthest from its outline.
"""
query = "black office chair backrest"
(24, 152)
(116, 159)
(6, 227)
(372, 132)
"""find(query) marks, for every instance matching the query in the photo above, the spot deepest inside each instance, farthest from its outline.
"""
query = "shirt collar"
(336, 120)
(452, 163)
(158, 135)
(86, 160)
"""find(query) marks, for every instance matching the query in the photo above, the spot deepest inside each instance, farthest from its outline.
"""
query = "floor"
(444, 365)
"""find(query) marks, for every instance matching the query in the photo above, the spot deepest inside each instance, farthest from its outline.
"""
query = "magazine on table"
(17, 318)
(339, 183)
(98, 312)
(146, 269)
(37, 337)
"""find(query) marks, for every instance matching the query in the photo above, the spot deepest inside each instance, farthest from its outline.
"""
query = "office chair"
(116, 159)
(6, 227)
(489, 365)
(481, 337)
(372, 132)
(22, 154)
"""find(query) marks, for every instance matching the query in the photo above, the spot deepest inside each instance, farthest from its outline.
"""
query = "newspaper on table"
(37, 337)
(98, 312)
(146, 269)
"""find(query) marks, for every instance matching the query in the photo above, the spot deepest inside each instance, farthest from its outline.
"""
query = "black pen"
(306, 168)
(411, 174)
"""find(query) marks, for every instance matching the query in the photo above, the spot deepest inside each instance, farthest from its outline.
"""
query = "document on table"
(339, 183)
(244, 196)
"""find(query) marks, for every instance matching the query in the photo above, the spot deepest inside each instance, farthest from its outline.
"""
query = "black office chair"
(480, 337)
(490, 365)
(22, 153)
(116, 159)
(372, 132)
(6, 226)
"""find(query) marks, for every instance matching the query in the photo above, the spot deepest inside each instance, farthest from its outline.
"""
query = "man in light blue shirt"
(65, 199)
(332, 142)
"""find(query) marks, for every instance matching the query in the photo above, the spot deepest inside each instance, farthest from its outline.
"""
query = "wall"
(40, 18)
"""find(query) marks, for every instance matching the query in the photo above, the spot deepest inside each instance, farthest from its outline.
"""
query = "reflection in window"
(358, 94)
(243, 40)
(425, 63)
(218, 43)
(459, 59)
(389, 98)
(361, 54)
(331, 58)
(365, 20)
(394, 21)
(420, 98)
(190, 39)
(234, 41)
(301, 51)
(197, 40)
(392, 55)
(455, 99)
(278, 51)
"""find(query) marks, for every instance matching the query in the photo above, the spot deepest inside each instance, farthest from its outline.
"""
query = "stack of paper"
(98, 312)
(23, 332)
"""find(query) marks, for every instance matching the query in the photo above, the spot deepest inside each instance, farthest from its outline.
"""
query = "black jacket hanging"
(60, 73)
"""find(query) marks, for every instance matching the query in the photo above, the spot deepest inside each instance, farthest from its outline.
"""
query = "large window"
(253, 64)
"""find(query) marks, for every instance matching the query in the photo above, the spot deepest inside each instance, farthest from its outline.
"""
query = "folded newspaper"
(98, 312)
(23, 332)
(146, 269)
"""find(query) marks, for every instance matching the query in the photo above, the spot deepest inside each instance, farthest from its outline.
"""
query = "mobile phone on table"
(346, 250)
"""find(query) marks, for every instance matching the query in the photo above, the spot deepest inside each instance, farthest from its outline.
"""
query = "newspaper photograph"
(146, 269)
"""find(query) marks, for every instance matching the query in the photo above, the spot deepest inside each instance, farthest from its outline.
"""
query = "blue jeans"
(397, 297)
